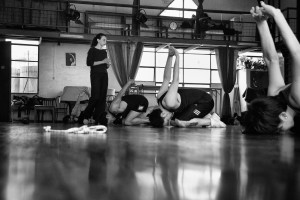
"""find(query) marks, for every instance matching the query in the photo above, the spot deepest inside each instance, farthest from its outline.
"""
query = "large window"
(197, 68)
(24, 68)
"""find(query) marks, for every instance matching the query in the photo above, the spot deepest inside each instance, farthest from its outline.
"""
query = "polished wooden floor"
(143, 163)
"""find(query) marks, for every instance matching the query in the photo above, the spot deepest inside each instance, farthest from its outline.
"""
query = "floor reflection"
(139, 163)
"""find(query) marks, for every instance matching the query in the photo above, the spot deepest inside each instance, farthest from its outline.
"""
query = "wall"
(54, 74)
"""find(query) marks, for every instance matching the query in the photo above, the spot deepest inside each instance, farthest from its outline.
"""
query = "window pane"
(196, 61)
(161, 59)
(160, 75)
(173, 13)
(148, 59)
(24, 69)
(149, 49)
(196, 76)
(25, 52)
(189, 14)
(215, 78)
(145, 74)
(214, 62)
(24, 85)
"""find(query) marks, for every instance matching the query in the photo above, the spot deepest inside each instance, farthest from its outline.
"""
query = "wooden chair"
(48, 105)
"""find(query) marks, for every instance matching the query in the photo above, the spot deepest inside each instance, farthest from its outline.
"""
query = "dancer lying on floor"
(275, 113)
(184, 107)
(129, 109)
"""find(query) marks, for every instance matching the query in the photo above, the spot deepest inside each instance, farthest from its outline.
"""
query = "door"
(5, 81)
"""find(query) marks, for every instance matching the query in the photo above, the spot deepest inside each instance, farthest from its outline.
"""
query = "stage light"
(72, 14)
(142, 18)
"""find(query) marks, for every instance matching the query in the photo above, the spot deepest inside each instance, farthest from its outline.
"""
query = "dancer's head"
(159, 118)
(114, 118)
(267, 115)
(99, 38)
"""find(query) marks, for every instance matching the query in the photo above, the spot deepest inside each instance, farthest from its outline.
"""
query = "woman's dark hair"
(98, 36)
(262, 116)
(155, 119)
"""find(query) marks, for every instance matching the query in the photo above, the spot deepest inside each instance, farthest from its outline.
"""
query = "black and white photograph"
(149, 100)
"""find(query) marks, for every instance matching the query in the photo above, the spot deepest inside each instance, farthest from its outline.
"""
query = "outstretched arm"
(117, 100)
(292, 44)
(167, 74)
(171, 96)
(276, 81)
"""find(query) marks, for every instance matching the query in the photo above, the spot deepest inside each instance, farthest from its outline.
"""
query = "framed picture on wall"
(70, 59)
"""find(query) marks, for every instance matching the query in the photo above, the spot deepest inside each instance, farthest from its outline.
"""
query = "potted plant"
(256, 72)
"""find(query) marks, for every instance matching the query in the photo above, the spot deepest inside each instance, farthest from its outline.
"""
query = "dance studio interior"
(43, 51)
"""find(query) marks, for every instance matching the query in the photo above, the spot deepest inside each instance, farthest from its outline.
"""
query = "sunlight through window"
(182, 4)
(24, 67)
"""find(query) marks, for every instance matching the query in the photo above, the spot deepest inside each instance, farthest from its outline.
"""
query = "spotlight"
(73, 14)
(141, 17)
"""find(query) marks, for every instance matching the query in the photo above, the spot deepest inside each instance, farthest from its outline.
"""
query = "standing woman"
(98, 62)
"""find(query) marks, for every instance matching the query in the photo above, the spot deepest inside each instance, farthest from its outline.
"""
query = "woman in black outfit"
(98, 61)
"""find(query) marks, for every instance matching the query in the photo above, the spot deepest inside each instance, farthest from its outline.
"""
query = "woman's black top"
(188, 96)
(137, 103)
(95, 55)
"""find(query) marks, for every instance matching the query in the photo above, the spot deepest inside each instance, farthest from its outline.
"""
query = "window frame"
(26, 61)
(182, 54)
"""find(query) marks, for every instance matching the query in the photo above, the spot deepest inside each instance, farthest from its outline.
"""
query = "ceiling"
(153, 8)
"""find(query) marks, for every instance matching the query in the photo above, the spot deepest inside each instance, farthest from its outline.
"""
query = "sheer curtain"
(125, 59)
(226, 61)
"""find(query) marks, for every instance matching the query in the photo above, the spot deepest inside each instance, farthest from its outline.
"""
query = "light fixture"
(141, 18)
(72, 14)
(24, 41)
